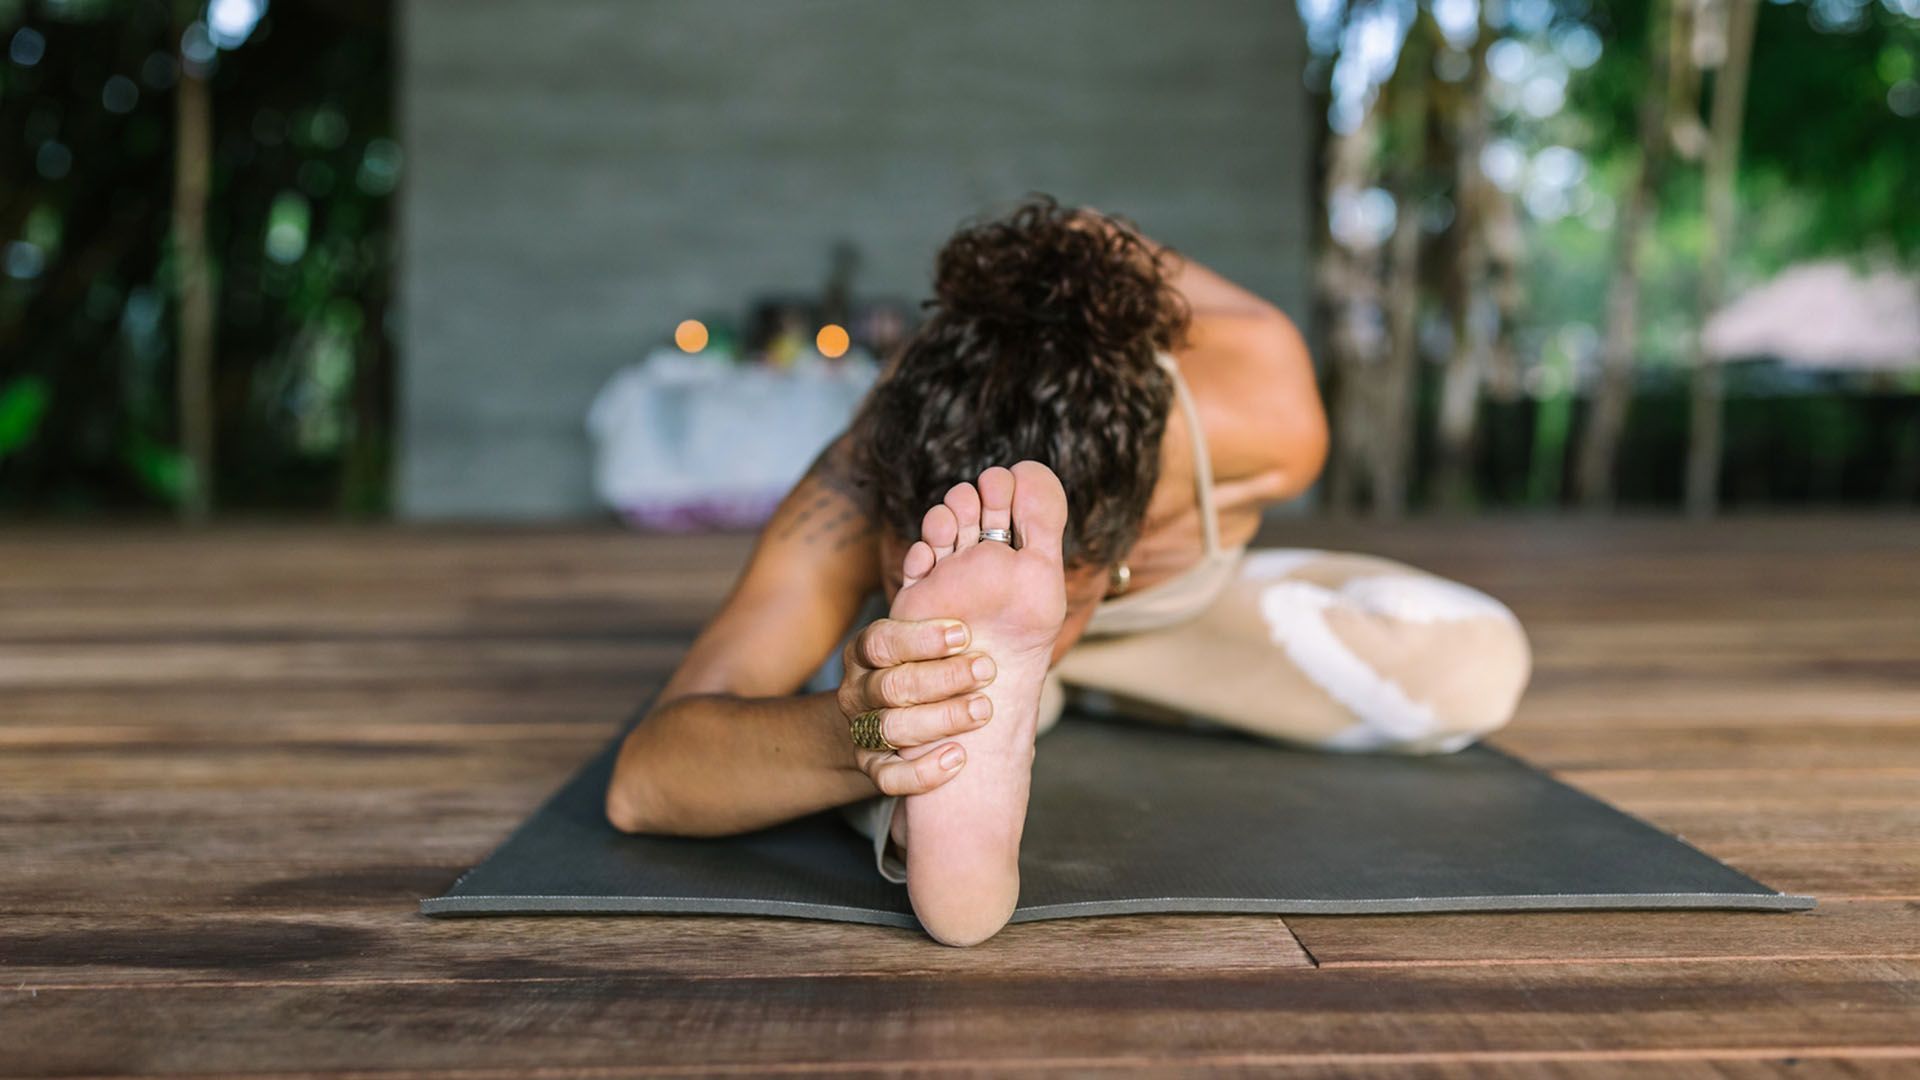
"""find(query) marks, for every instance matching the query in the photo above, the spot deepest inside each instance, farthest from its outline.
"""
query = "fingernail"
(957, 636)
(979, 708)
(982, 668)
(951, 759)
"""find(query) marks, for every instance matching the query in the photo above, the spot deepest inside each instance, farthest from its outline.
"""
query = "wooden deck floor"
(231, 763)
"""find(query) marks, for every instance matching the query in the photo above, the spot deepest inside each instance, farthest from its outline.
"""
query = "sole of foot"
(963, 839)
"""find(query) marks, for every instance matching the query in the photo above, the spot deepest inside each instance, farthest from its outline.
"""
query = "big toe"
(1039, 508)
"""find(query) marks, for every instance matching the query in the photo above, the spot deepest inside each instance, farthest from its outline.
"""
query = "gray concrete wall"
(581, 174)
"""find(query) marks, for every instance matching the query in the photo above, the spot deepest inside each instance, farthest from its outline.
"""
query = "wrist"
(831, 725)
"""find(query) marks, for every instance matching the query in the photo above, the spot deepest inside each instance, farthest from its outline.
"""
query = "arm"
(1266, 427)
(731, 746)
(1254, 383)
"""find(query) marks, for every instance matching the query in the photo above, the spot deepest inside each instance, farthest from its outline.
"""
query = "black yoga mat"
(1129, 818)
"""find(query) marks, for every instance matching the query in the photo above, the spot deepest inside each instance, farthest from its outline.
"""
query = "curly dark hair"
(1040, 345)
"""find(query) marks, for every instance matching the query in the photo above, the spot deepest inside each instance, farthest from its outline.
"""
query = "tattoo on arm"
(831, 505)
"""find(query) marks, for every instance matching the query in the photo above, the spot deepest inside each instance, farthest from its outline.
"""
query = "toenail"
(956, 635)
(982, 668)
(980, 708)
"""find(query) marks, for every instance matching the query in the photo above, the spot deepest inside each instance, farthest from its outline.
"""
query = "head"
(1040, 344)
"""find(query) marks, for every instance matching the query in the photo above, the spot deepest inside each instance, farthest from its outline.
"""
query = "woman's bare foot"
(963, 838)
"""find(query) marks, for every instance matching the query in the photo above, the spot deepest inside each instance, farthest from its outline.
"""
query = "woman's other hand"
(925, 687)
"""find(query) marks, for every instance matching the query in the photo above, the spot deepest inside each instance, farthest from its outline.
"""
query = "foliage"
(1829, 166)
(303, 167)
(23, 403)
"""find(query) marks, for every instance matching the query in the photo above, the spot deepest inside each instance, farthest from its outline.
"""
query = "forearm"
(713, 765)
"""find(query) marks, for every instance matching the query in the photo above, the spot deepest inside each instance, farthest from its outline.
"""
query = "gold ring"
(866, 732)
(1119, 579)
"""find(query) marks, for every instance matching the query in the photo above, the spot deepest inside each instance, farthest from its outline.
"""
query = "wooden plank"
(231, 761)
(69, 714)
(399, 946)
(1745, 806)
(1804, 1063)
(1027, 1019)
(1835, 929)
(1778, 648)
(1840, 869)
(1693, 698)
(1827, 746)
(271, 767)
(493, 662)
(212, 848)
(386, 611)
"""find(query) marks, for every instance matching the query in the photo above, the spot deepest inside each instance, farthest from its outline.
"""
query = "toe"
(1039, 509)
(964, 503)
(917, 564)
(939, 529)
(996, 499)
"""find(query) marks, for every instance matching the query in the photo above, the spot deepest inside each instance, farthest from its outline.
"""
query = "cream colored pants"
(1319, 649)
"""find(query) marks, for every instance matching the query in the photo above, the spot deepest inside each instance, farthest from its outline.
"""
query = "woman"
(1148, 410)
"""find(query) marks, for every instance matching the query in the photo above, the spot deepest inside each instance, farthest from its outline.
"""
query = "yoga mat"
(1133, 818)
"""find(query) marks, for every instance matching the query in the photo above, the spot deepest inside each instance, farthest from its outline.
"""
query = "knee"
(1484, 690)
(1451, 666)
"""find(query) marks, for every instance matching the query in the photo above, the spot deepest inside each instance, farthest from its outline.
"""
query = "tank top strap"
(1202, 460)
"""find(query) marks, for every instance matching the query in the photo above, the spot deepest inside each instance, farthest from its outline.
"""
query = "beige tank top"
(1189, 593)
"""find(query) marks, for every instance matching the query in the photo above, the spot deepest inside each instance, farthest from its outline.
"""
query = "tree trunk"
(369, 453)
(1467, 359)
(1392, 422)
(1722, 170)
(1348, 282)
(1600, 442)
(1392, 427)
(1505, 240)
(193, 284)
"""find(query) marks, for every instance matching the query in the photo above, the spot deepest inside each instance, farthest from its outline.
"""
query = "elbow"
(1297, 418)
(624, 812)
(633, 803)
(642, 799)
(638, 810)
(1304, 446)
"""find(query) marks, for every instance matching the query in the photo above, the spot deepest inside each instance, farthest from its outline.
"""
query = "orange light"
(691, 335)
(832, 341)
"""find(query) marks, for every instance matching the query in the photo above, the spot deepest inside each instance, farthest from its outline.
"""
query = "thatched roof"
(1823, 315)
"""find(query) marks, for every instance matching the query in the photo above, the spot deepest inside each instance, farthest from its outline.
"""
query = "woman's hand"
(925, 687)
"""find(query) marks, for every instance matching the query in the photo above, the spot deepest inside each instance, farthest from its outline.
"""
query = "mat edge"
(443, 906)
(458, 906)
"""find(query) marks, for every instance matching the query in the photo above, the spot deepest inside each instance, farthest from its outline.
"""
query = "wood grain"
(232, 761)
(394, 945)
(1020, 1018)
(1836, 929)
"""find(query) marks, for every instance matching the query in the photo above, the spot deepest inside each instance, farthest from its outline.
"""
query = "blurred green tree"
(1566, 248)
(300, 164)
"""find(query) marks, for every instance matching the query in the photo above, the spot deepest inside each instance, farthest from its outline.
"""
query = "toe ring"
(1004, 536)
